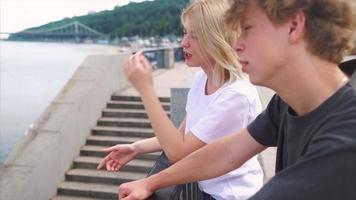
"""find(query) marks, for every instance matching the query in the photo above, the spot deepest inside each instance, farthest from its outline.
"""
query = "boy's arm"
(212, 160)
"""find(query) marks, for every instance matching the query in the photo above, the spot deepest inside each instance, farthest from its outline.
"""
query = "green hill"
(149, 18)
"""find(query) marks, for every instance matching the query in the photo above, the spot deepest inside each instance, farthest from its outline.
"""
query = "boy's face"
(262, 47)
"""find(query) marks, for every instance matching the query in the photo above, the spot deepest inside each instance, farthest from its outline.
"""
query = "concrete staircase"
(124, 120)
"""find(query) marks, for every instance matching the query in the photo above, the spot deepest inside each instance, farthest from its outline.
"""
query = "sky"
(17, 15)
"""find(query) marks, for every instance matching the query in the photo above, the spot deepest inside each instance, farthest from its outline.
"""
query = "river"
(31, 75)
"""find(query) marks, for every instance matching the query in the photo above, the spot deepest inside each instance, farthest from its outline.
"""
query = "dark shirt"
(316, 152)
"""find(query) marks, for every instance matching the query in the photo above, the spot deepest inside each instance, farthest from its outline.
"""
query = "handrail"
(188, 191)
(169, 193)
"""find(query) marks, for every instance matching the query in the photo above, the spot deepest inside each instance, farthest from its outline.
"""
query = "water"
(31, 75)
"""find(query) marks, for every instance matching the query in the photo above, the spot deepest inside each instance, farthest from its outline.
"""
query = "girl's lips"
(187, 55)
(243, 62)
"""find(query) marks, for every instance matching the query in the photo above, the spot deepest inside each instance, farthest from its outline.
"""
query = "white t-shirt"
(209, 117)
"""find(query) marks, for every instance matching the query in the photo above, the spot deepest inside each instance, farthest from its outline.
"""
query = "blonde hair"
(330, 24)
(214, 37)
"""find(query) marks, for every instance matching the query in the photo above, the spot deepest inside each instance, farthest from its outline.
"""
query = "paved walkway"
(182, 76)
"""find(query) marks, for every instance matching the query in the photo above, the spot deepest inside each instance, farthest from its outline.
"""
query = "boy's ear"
(297, 27)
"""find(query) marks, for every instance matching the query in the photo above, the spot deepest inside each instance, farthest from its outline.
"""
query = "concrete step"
(129, 113)
(135, 98)
(136, 165)
(95, 151)
(121, 112)
(110, 140)
(79, 189)
(124, 122)
(102, 176)
(122, 131)
(133, 105)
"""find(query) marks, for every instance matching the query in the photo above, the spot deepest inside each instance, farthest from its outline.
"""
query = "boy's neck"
(306, 85)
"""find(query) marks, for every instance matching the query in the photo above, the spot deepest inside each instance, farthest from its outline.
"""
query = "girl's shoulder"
(241, 87)
(199, 75)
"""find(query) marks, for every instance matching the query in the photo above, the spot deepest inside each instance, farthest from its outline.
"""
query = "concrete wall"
(37, 164)
(178, 102)
(169, 58)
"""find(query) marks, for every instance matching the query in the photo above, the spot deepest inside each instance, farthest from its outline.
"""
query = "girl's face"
(193, 55)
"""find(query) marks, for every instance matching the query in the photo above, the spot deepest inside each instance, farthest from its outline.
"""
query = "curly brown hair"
(330, 24)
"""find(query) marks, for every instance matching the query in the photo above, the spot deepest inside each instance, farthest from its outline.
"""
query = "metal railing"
(178, 54)
(188, 191)
(161, 58)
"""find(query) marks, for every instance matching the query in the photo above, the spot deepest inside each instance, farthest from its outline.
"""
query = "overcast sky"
(17, 15)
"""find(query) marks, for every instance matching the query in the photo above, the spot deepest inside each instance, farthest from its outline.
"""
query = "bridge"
(74, 31)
